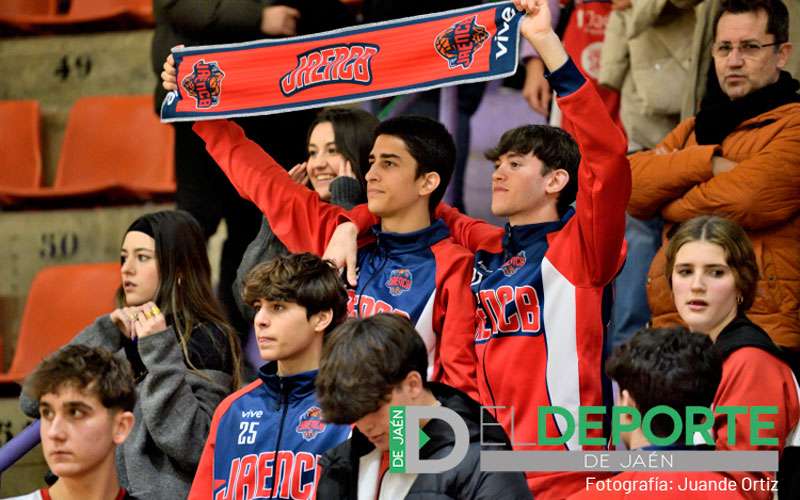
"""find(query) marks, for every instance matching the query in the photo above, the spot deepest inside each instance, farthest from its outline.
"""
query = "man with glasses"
(738, 158)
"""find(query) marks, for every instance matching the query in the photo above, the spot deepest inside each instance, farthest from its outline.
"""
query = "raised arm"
(296, 214)
(604, 177)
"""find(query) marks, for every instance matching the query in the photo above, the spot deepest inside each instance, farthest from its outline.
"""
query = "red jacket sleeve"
(753, 377)
(604, 188)
(202, 486)
(472, 234)
(297, 216)
(454, 317)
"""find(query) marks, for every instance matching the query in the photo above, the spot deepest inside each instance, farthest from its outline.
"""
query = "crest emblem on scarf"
(311, 423)
(204, 84)
(400, 281)
(458, 43)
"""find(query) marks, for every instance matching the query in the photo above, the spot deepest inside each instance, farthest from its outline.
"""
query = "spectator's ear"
(556, 181)
(321, 320)
(626, 399)
(428, 182)
(123, 423)
(784, 52)
(412, 385)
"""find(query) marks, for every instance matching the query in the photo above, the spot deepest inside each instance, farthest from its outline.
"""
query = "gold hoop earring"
(739, 300)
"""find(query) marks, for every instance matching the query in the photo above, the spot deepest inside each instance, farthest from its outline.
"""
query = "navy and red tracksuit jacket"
(265, 441)
(419, 275)
(543, 290)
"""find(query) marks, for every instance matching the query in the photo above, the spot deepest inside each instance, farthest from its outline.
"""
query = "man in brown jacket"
(738, 158)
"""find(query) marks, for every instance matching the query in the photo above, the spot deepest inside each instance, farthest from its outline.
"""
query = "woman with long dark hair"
(339, 142)
(185, 357)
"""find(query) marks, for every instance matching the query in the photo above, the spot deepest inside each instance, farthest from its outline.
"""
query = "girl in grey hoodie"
(184, 356)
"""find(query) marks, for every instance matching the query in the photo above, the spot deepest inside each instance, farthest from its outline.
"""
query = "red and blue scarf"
(347, 65)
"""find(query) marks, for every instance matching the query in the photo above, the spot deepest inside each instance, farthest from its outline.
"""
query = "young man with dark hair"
(265, 438)
(543, 284)
(370, 365)
(86, 398)
(672, 367)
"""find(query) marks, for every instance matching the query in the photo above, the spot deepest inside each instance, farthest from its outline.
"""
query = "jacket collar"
(290, 389)
(518, 238)
(423, 239)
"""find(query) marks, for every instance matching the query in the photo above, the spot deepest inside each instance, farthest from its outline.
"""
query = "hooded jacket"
(340, 466)
(756, 373)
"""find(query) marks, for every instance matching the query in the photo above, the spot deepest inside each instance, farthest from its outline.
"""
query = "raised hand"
(123, 318)
(149, 320)
(342, 250)
(537, 21)
(299, 173)
(169, 77)
(279, 20)
(346, 170)
(536, 89)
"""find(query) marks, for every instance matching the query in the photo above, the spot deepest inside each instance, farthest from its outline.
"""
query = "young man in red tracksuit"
(678, 369)
(542, 284)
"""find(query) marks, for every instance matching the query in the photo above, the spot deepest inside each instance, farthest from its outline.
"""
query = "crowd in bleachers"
(649, 256)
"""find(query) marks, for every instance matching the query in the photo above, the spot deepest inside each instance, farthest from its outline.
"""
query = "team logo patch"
(400, 281)
(204, 83)
(458, 43)
(311, 423)
(346, 63)
(514, 264)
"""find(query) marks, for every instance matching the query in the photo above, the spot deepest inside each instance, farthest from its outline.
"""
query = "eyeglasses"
(748, 49)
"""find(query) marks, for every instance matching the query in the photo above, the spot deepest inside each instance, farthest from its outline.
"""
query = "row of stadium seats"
(114, 148)
(33, 14)
(62, 301)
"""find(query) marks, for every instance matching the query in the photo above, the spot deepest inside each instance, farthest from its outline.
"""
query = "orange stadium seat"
(62, 301)
(114, 147)
(116, 141)
(20, 145)
(27, 14)
(95, 10)
(28, 8)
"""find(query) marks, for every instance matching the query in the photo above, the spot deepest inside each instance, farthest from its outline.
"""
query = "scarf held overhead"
(347, 65)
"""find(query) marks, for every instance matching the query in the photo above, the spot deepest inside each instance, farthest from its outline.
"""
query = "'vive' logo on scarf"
(348, 65)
